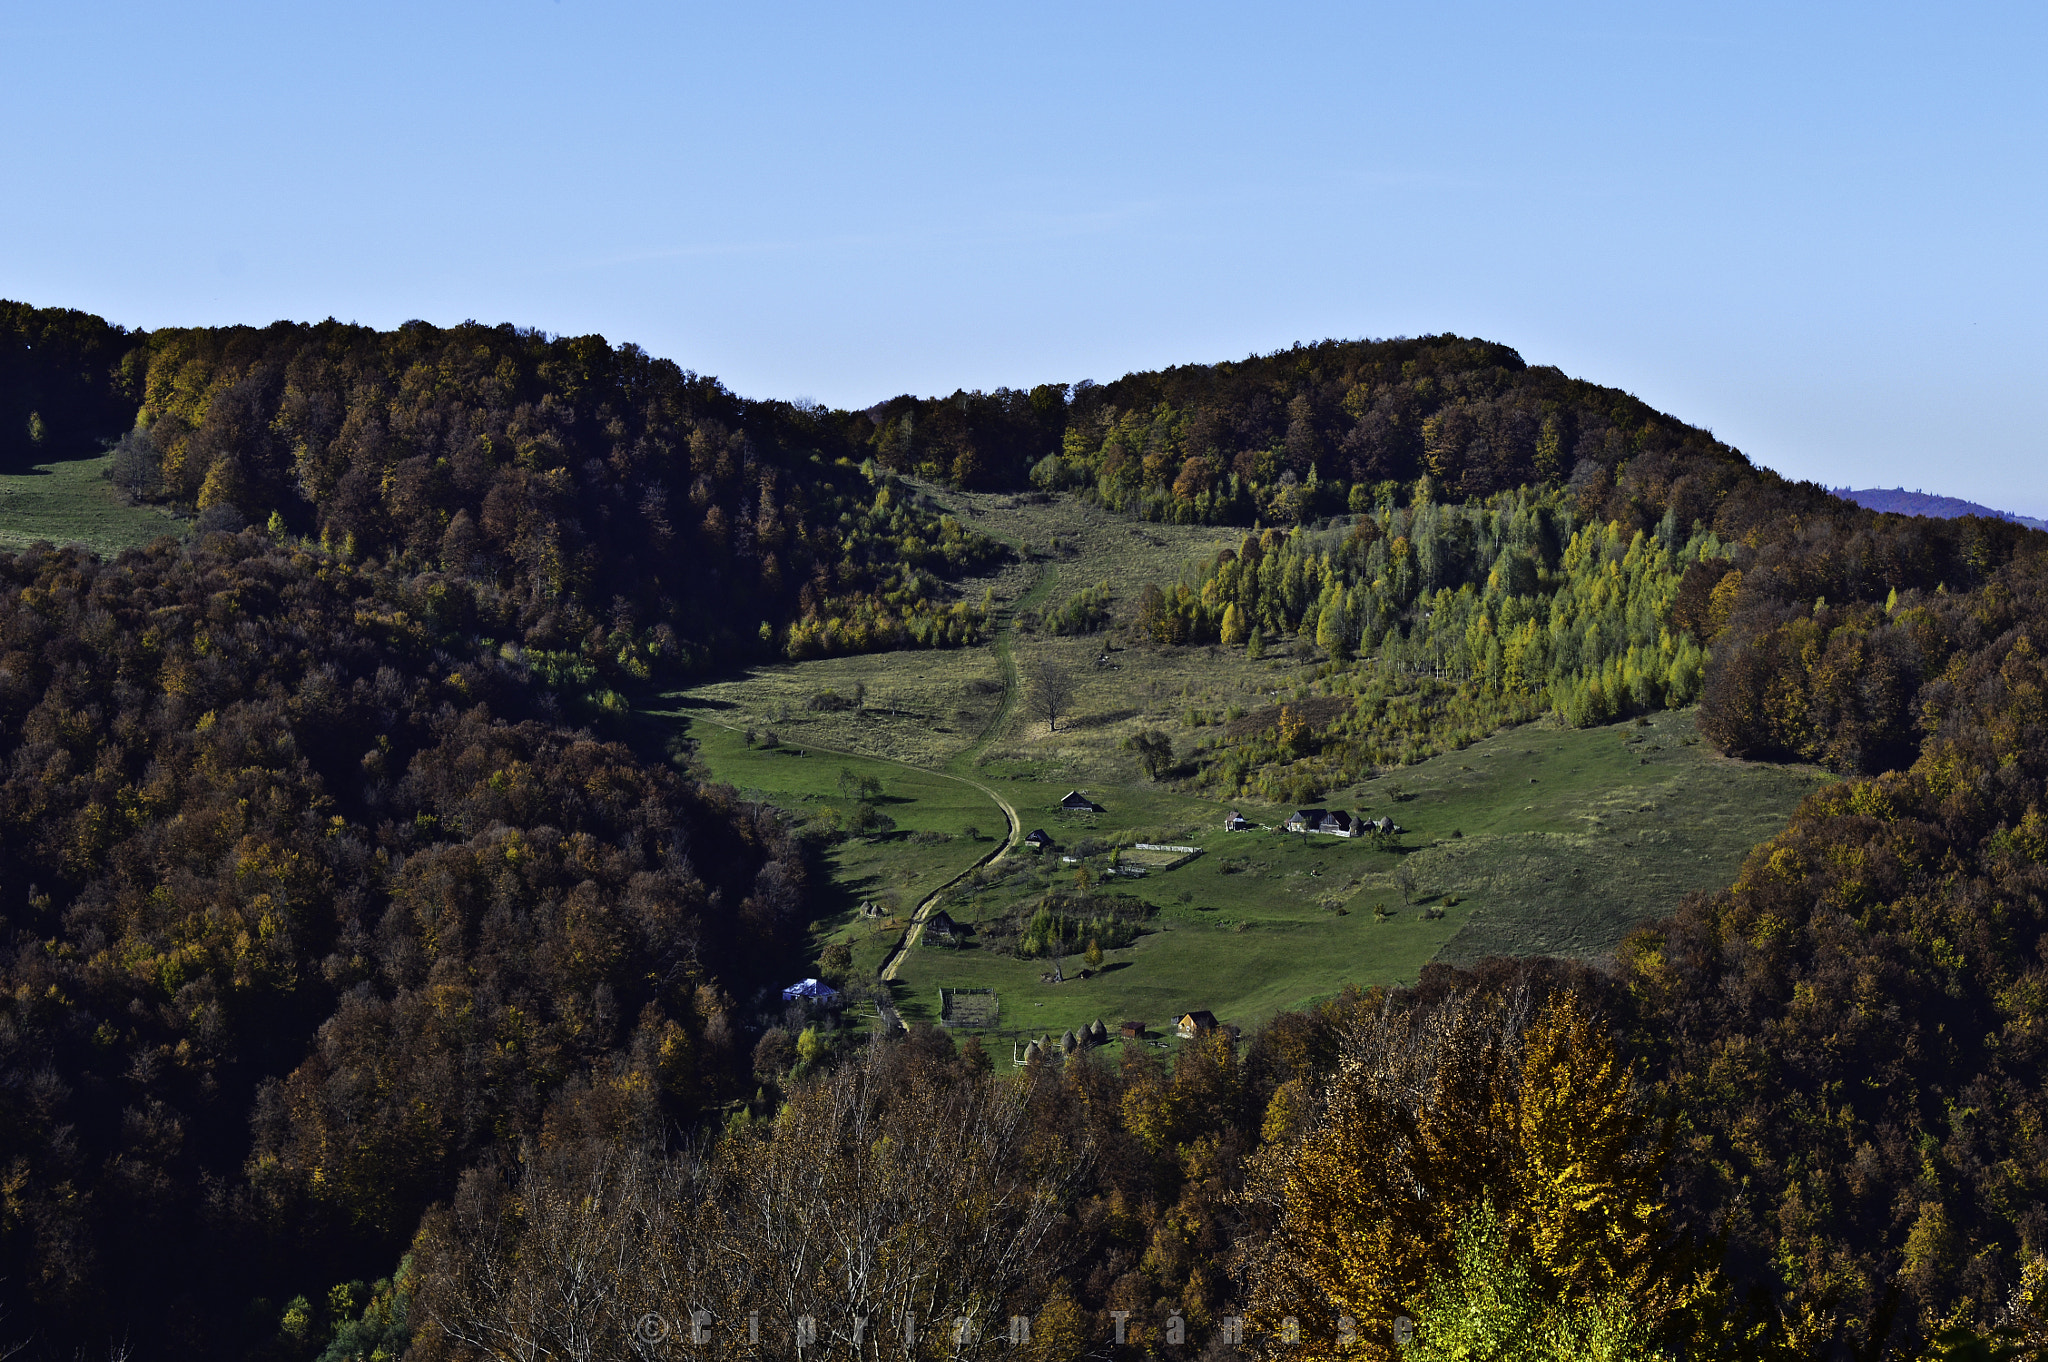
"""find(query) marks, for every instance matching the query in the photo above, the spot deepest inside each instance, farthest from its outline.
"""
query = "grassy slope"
(1573, 837)
(895, 871)
(72, 502)
(1609, 834)
(1569, 838)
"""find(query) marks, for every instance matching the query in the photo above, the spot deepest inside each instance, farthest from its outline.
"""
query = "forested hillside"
(69, 383)
(1312, 431)
(309, 905)
(626, 514)
(332, 947)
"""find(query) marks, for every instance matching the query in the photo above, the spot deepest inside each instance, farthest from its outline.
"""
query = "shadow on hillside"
(1102, 720)
(680, 700)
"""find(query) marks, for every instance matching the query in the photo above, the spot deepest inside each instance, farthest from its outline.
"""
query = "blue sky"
(1816, 229)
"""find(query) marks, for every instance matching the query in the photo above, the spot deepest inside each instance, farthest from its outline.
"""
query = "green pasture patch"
(895, 871)
(71, 502)
(1540, 840)
(1537, 840)
(1572, 837)
(919, 706)
(1123, 689)
(1087, 543)
(1244, 966)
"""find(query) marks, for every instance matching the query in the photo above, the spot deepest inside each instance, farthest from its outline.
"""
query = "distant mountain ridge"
(1901, 502)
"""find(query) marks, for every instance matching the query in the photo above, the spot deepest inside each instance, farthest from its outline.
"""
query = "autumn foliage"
(355, 994)
(309, 905)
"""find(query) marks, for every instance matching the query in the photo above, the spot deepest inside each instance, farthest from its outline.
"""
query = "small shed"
(1236, 822)
(1076, 802)
(1131, 1030)
(1197, 1023)
(942, 926)
(1038, 840)
(809, 988)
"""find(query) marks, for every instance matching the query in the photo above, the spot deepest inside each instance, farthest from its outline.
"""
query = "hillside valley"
(428, 756)
(1545, 840)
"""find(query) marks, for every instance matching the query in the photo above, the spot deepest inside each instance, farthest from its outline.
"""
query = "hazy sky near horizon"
(1816, 229)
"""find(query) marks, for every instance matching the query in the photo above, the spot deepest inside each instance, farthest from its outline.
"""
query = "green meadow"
(1539, 840)
(71, 502)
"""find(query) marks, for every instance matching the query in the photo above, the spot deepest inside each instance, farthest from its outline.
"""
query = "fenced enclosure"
(1157, 856)
(976, 1007)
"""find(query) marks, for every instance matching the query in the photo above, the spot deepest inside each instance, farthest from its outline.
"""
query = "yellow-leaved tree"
(1586, 1196)
(1491, 1106)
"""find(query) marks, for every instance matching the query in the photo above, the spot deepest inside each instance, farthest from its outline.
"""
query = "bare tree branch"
(1048, 687)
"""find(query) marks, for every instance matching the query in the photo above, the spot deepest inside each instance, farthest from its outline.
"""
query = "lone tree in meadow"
(1154, 749)
(1048, 688)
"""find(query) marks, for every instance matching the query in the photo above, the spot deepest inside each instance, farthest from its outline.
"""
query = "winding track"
(1005, 632)
(930, 901)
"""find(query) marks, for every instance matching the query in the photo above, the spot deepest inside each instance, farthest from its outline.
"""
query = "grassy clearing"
(71, 502)
(922, 708)
(1086, 543)
(1573, 837)
(1121, 690)
(894, 871)
(1539, 840)
(1257, 924)
(928, 708)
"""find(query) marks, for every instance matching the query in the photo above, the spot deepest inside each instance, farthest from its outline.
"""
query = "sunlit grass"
(1537, 840)
(71, 502)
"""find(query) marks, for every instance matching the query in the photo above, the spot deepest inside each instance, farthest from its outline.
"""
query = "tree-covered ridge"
(1306, 432)
(1855, 1031)
(633, 509)
(1835, 643)
(69, 383)
(636, 515)
(279, 835)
